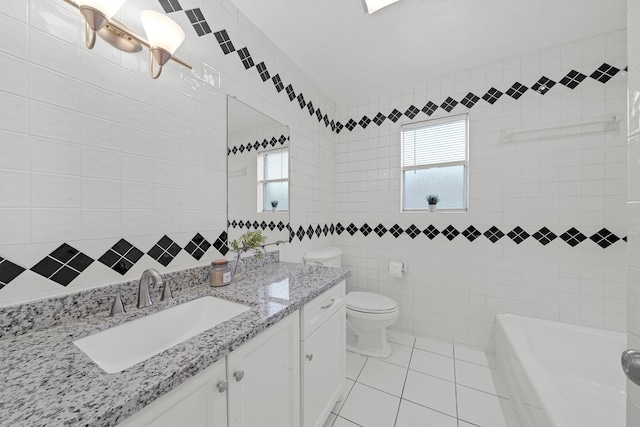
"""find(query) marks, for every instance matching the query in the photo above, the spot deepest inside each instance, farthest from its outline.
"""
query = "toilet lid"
(369, 303)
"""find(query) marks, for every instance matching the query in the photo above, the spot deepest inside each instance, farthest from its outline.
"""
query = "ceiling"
(350, 54)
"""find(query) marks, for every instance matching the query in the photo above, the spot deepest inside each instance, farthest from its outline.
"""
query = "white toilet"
(368, 314)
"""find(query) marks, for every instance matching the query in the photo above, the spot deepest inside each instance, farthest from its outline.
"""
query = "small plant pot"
(274, 209)
(432, 208)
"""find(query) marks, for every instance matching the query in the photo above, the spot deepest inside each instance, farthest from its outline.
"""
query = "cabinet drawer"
(317, 311)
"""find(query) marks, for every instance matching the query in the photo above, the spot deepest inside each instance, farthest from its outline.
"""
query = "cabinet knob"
(310, 357)
(238, 375)
(222, 386)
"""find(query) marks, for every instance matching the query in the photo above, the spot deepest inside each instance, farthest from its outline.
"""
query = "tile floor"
(424, 383)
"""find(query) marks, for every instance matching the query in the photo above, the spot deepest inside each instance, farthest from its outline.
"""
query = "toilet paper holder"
(402, 265)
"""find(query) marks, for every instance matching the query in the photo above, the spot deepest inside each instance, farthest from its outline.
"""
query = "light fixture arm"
(160, 56)
(96, 21)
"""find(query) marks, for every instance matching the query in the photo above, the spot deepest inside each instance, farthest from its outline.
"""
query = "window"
(273, 180)
(435, 161)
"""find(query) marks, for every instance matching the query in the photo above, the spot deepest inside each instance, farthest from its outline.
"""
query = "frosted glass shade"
(376, 5)
(107, 7)
(161, 30)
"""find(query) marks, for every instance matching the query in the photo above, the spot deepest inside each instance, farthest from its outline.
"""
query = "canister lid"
(220, 262)
(325, 253)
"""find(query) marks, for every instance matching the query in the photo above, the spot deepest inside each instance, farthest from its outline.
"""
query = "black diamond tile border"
(121, 257)
(572, 79)
(518, 235)
(517, 90)
(164, 251)
(604, 238)
(63, 264)
(255, 145)
(471, 233)
(198, 246)
(170, 5)
(199, 23)
(573, 237)
(492, 95)
(8, 272)
(543, 85)
(603, 74)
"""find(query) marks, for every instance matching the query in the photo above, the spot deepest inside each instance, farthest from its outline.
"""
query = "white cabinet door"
(264, 378)
(323, 369)
(198, 402)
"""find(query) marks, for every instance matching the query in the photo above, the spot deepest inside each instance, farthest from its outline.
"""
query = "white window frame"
(262, 183)
(464, 163)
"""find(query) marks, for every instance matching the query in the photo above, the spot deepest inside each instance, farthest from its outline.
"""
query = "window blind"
(276, 165)
(439, 142)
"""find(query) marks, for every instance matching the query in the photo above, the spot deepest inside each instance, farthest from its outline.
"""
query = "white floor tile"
(341, 422)
(412, 415)
(479, 377)
(348, 385)
(483, 409)
(432, 364)
(475, 356)
(431, 392)
(355, 362)
(434, 346)
(370, 407)
(383, 376)
(330, 420)
(400, 338)
(465, 424)
(401, 355)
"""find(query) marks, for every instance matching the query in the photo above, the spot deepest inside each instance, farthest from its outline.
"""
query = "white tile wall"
(93, 150)
(452, 290)
(633, 211)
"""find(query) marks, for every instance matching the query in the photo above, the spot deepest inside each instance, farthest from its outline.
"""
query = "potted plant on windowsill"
(274, 206)
(250, 241)
(432, 200)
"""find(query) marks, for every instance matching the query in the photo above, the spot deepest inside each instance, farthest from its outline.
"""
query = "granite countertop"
(47, 381)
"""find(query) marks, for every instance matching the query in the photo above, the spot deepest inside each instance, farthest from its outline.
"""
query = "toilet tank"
(329, 256)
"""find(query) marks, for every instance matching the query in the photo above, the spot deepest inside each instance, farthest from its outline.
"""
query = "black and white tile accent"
(256, 145)
(603, 238)
(63, 264)
(121, 257)
(542, 86)
(66, 263)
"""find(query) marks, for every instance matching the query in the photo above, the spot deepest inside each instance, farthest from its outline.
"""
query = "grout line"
(406, 375)
(455, 380)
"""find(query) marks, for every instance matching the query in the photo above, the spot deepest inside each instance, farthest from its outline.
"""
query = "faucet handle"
(117, 309)
(167, 295)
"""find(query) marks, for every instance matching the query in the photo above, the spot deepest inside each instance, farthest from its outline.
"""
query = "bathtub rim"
(553, 402)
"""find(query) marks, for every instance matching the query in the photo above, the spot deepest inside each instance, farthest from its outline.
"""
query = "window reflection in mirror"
(257, 173)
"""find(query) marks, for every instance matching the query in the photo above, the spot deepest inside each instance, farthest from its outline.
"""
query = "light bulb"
(107, 7)
(162, 31)
(372, 6)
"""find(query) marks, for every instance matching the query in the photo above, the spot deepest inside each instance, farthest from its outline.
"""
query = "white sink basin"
(122, 346)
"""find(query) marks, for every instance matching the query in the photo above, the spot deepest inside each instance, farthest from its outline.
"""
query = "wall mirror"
(257, 173)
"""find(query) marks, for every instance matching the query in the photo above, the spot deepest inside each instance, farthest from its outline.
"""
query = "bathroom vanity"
(279, 363)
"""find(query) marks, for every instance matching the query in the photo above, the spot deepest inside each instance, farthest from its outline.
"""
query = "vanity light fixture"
(371, 6)
(165, 35)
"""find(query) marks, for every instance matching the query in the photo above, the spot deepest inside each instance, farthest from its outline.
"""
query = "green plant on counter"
(250, 241)
(274, 203)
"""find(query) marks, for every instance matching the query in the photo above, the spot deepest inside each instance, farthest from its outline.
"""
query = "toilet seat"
(368, 303)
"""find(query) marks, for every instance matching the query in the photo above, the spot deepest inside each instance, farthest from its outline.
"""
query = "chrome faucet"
(144, 298)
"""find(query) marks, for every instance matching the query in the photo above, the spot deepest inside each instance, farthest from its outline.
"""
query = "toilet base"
(371, 344)
(377, 353)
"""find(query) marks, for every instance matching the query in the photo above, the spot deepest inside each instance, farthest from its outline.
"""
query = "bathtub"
(561, 375)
